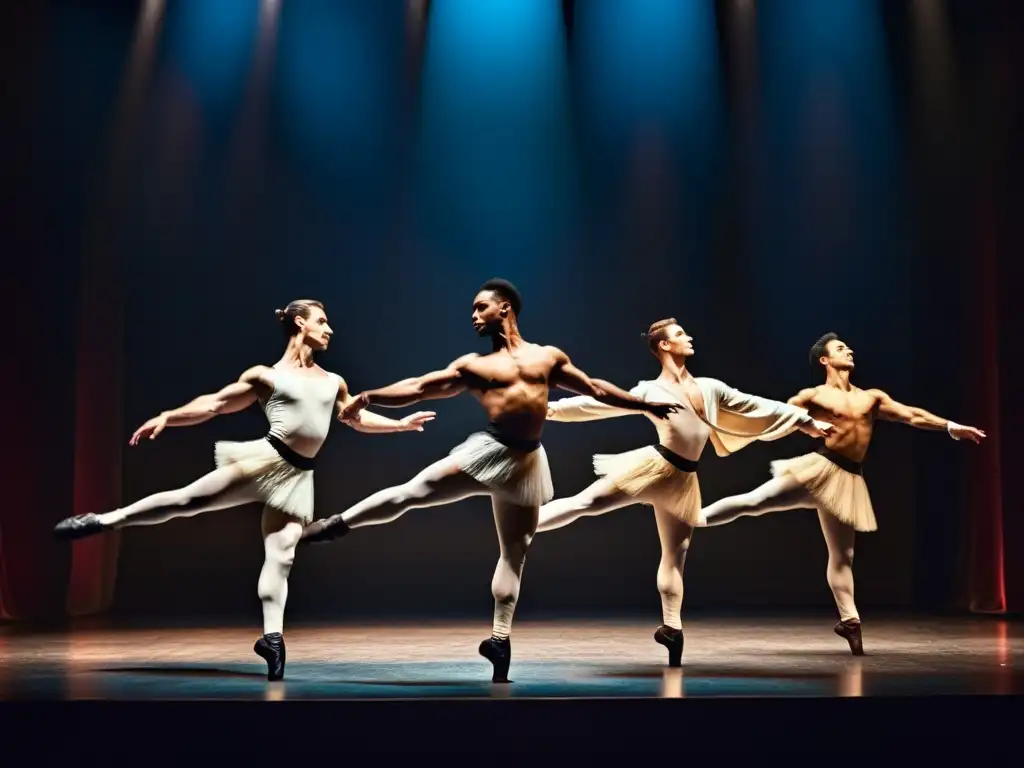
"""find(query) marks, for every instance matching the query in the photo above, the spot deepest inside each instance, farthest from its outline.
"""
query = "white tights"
(226, 487)
(602, 497)
(444, 483)
(781, 493)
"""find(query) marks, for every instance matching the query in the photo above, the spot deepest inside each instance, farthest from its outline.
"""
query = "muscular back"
(512, 385)
(852, 415)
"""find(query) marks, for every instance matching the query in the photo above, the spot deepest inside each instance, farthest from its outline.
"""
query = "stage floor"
(578, 686)
(578, 659)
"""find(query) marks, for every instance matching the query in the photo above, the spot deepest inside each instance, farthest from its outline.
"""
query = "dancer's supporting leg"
(281, 533)
(675, 538)
(599, 497)
(777, 494)
(840, 537)
(516, 526)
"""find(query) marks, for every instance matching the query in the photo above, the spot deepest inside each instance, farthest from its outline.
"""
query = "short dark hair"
(297, 308)
(657, 333)
(818, 349)
(506, 291)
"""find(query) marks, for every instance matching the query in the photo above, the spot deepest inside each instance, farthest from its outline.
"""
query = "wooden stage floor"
(578, 686)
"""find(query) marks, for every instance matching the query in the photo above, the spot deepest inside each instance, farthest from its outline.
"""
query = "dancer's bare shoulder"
(805, 397)
(260, 377)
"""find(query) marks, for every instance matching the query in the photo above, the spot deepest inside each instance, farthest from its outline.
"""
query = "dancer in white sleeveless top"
(298, 398)
(664, 475)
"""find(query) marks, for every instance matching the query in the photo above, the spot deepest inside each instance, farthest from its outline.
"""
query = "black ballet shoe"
(324, 530)
(271, 648)
(851, 631)
(672, 639)
(499, 653)
(80, 526)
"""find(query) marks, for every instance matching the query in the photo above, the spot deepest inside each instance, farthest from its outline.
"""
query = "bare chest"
(846, 406)
(502, 369)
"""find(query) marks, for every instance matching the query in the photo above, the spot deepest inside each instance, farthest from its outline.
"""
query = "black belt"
(677, 461)
(295, 459)
(516, 444)
(851, 466)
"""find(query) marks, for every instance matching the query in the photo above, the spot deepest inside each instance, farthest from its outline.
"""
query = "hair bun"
(279, 314)
(643, 335)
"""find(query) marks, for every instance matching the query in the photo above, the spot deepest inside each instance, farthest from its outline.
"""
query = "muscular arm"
(569, 377)
(236, 396)
(431, 386)
(366, 421)
(890, 410)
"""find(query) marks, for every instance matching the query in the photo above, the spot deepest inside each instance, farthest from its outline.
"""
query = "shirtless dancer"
(506, 461)
(664, 475)
(831, 480)
(297, 396)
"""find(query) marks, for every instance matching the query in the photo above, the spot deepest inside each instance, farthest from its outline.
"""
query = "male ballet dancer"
(297, 396)
(664, 475)
(831, 480)
(506, 461)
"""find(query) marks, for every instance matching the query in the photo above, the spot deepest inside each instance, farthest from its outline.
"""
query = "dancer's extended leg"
(281, 533)
(596, 499)
(516, 526)
(675, 538)
(440, 483)
(777, 494)
(221, 488)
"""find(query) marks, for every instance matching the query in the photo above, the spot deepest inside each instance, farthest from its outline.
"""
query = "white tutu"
(279, 484)
(521, 477)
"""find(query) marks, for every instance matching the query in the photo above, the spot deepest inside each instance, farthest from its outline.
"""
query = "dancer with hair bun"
(298, 397)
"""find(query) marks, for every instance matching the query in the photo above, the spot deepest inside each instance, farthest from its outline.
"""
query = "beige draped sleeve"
(738, 419)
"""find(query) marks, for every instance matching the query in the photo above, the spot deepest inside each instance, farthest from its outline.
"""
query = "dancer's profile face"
(487, 317)
(839, 355)
(316, 331)
(677, 341)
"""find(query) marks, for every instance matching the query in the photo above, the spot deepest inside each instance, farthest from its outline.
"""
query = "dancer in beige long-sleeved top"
(831, 480)
(664, 475)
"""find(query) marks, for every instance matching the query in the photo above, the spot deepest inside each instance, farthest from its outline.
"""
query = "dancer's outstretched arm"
(236, 396)
(374, 423)
(890, 410)
(567, 376)
(431, 386)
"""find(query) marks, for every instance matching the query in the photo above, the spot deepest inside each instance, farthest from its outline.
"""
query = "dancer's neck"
(507, 338)
(838, 379)
(298, 354)
(673, 370)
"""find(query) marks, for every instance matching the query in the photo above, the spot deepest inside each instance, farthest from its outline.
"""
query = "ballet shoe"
(324, 530)
(80, 526)
(271, 649)
(673, 640)
(851, 631)
(499, 653)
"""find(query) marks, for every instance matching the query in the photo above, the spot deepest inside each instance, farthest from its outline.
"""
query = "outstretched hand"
(150, 429)
(662, 410)
(817, 428)
(414, 422)
(354, 406)
(960, 432)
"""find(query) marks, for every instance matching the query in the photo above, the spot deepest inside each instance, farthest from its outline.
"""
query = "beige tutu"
(841, 493)
(521, 477)
(279, 484)
(652, 479)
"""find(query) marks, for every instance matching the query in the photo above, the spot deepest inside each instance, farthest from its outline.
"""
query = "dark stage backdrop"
(764, 175)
